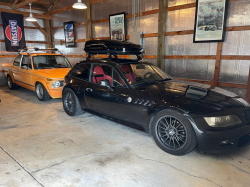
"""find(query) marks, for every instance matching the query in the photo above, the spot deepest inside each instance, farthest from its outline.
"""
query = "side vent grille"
(143, 102)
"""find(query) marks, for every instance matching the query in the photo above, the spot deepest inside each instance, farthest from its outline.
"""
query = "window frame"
(113, 68)
(71, 72)
(70, 65)
(23, 56)
(21, 59)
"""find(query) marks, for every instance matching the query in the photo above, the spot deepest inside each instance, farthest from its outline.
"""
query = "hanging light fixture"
(79, 5)
(31, 18)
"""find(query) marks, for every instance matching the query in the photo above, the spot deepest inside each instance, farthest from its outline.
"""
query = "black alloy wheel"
(71, 103)
(173, 133)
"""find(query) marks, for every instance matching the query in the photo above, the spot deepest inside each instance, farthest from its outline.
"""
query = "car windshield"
(50, 62)
(139, 74)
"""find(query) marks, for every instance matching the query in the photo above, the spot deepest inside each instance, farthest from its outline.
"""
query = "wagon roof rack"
(112, 48)
(26, 50)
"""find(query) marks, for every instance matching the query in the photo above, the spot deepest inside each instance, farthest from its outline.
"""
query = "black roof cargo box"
(112, 47)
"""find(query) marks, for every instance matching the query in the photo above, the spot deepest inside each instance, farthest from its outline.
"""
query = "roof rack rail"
(112, 48)
(26, 49)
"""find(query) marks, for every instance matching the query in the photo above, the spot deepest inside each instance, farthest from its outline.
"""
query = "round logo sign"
(8, 33)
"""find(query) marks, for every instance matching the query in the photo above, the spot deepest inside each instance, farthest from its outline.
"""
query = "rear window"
(81, 71)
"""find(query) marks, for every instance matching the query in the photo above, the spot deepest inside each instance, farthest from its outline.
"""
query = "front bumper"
(55, 93)
(210, 139)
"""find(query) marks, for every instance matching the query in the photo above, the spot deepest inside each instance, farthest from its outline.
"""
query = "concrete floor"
(41, 146)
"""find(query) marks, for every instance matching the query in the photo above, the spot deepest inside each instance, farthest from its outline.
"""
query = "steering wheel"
(148, 73)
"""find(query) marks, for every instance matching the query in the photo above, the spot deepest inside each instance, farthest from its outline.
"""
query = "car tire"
(173, 133)
(71, 103)
(11, 85)
(41, 92)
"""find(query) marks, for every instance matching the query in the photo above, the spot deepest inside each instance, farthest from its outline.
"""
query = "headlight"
(55, 84)
(222, 121)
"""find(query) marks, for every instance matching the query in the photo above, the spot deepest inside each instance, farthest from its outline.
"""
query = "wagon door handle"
(89, 89)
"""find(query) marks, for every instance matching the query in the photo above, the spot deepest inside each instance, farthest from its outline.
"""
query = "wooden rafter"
(39, 27)
(55, 5)
(26, 14)
(44, 2)
(24, 3)
(61, 10)
(26, 7)
(14, 3)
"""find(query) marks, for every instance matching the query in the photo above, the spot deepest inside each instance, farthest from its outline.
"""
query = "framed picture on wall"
(210, 20)
(117, 26)
(69, 32)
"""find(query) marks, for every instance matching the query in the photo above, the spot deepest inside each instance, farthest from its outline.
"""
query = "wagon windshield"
(50, 62)
(139, 74)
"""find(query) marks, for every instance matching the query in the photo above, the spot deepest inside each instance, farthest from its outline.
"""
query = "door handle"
(89, 89)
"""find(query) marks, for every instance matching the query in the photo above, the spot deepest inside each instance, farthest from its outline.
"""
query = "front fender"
(41, 80)
(9, 73)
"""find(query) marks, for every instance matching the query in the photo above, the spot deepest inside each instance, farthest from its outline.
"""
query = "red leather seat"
(127, 71)
(98, 75)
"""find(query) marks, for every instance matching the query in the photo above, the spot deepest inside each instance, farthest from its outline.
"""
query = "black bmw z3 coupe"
(179, 115)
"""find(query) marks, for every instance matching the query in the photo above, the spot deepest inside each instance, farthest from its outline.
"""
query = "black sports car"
(179, 115)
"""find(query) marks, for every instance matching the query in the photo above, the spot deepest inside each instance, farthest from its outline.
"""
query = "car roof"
(115, 61)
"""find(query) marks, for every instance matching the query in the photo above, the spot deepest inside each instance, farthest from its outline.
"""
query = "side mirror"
(105, 82)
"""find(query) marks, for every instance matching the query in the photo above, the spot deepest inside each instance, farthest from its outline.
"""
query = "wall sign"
(69, 32)
(210, 20)
(13, 31)
(117, 28)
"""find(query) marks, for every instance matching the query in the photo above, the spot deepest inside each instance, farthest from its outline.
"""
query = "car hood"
(194, 97)
(53, 73)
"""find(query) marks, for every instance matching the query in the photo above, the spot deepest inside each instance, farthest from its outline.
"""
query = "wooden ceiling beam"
(26, 14)
(39, 27)
(24, 3)
(14, 3)
(55, 5)
(26, 7)
(44, 2)
(61, 10)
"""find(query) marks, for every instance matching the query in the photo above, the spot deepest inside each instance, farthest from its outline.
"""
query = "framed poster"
(117, 26)
(210, 20)
(69, 32)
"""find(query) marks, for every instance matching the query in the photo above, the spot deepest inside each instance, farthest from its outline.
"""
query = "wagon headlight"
(55, 84)
(222, 121)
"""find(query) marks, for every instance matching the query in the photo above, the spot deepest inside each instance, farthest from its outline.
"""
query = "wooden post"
(48, 36)
(88, 21)
(161, 34)
(217, 64)
(248, 88)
